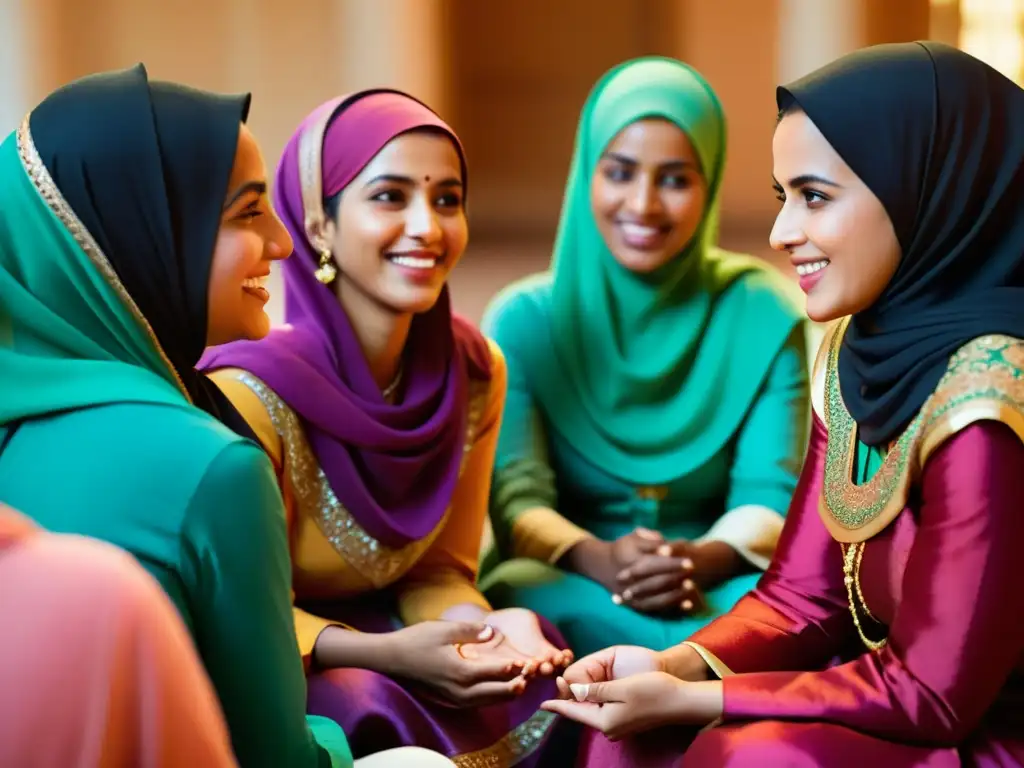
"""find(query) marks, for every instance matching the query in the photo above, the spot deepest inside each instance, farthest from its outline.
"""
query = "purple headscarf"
(393, 466)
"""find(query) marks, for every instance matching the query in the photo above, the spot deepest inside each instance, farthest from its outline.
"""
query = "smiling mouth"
(256, 286)
(809, 269)
(642, 236)
(418, 261)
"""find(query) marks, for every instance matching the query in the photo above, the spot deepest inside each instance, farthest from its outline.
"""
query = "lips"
(642, 236)
(256, 286)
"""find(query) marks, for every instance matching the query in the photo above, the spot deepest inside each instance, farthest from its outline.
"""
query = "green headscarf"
(651, 375)
(67, 338)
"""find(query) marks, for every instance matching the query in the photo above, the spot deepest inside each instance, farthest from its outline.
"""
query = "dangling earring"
(326, 272)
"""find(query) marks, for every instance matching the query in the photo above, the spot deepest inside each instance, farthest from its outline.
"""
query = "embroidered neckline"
(380, 564)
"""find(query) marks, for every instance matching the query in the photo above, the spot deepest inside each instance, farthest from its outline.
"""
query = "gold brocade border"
(379, 564)
(40, 177)
(984, 380)
(521, 742)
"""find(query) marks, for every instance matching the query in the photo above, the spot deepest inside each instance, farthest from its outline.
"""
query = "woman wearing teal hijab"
(134, 228)
(657, 405)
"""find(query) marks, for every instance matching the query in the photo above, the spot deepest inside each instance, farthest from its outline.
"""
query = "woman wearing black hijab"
(135, 229)
(888, 630)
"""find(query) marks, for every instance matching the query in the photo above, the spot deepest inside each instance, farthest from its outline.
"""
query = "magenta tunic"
(947, 689)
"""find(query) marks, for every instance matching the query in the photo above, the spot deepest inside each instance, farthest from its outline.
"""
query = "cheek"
(605, 198)
(362, 239)
(685, 209)
(456, 237)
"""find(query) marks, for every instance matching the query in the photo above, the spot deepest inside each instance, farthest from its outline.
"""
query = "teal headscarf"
(651, 375)
(67, 337)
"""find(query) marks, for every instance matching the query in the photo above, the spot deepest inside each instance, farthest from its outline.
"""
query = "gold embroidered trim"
(379, 564)
(51, 194)
(984, 379)
(516, 746)
(854, 512)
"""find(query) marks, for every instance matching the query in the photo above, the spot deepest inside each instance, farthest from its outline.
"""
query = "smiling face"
(648, 194)
(250, 238)
(837, 233)
(401, 225)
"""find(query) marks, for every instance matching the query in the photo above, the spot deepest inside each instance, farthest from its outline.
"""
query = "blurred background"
(511, 78)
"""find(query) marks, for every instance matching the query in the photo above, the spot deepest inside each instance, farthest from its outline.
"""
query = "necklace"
(852, 555)
(389, 390)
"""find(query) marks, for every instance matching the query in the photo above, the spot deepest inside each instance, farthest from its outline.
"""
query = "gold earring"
(326, 272)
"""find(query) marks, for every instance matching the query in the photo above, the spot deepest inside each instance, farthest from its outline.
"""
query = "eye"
(780, 195)
(249, 216)
(813, 198)
(389, 196)
(449, 200)
(617, 174)
(675, 181)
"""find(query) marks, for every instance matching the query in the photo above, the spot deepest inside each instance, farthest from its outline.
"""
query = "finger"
(585, 713)
(662, 601)
(693, 600)
(589, 669)
(485, 668)
(607, 692)
(563, 688)
(481, 694)
(654, 585)
(653, 565)
(648, 534)
(468, 632)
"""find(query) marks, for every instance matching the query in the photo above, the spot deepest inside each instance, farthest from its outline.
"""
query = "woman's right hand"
(602, 561)
(429, 653)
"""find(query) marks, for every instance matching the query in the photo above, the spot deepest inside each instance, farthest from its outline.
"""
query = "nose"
(786, 232)
(421, 221)
(643, 198)
(279, 243)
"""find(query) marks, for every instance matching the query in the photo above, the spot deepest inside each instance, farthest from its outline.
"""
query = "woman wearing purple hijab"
(380, 410)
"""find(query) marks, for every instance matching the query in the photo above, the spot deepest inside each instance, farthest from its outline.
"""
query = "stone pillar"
(397, 44)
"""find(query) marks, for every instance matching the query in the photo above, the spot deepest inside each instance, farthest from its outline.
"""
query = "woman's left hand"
(522, 630)
(620, 708)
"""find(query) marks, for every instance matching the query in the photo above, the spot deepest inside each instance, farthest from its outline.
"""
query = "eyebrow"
(394, 178)
(259, 187)
(805, 179)
(669, 165)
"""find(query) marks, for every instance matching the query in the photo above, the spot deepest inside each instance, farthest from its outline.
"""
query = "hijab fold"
(654, 373)
(938, 137)
(393, 466)
(109, 211)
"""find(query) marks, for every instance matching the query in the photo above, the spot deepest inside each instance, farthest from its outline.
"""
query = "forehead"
(414, 154)
(248, 159)
(798, 147)
(653, 139)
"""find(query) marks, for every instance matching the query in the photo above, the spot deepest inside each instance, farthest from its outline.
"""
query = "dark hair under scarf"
(145, 167)
(938, 137)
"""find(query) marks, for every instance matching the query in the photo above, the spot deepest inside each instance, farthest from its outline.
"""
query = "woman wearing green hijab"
(135, 229)
(657, 406)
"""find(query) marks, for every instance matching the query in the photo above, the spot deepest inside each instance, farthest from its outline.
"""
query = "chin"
(641, 263)
(412, 303)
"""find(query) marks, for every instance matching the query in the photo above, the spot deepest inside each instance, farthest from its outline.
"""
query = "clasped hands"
(650, 574)
(625, 690)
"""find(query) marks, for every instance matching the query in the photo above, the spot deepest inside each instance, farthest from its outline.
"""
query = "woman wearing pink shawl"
(380, 409)
(96, 668)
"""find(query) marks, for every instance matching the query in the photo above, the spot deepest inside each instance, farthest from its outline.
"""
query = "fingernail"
(687, 583)
(687, 605)
(579, 691)
(617, 599)
(623, 575)
(627, 595)
(687, 564)
(664, 550)
(486, 633)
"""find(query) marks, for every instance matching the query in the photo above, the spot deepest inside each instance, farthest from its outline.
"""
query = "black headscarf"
(938, 137)
(145, 166)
